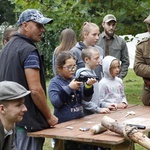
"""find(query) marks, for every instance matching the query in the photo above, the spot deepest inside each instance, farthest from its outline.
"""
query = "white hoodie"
(110, 88)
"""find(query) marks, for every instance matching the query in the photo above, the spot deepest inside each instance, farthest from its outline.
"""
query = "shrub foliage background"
(73, 13)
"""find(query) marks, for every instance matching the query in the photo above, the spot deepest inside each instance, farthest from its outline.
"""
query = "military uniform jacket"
(142, 58)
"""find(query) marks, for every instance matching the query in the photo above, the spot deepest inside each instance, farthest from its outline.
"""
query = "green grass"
(133, 87)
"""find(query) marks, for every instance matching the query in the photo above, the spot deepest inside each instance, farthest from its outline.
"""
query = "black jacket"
(6, 143)
(12, 60)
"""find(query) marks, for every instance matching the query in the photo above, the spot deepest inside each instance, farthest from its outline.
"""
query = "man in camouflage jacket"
(142, 64)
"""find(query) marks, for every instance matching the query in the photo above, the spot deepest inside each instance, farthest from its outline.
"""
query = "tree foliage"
(6, 12)
(73, 13)
(6, 16)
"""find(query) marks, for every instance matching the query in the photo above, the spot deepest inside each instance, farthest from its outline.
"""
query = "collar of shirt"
(104, 35)
(7, 133)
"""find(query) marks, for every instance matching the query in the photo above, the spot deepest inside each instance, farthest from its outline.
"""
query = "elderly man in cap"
(12, 109)
(21, 62)
(112, 44)
(142, 63)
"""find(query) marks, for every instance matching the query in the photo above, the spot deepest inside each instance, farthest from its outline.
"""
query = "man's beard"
(109, 34)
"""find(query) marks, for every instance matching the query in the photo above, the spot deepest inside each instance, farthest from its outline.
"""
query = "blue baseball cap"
(33, 15)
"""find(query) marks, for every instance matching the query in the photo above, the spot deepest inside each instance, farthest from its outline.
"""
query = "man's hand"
(147, 82)
(53, 120)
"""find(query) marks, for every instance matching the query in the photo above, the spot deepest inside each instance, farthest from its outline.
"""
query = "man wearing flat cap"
(21, 62)
(12, 109)
(114, 45)
(142, 63)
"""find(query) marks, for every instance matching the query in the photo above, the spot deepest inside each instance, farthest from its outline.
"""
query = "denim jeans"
(24, 142)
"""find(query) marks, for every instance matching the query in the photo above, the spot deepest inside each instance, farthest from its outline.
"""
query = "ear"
(103, 24)
(58, 69)
(25, 25)
(85, 34)
(2, 110)
(86, 59)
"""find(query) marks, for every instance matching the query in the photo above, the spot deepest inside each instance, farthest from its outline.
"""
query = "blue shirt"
(32, 61)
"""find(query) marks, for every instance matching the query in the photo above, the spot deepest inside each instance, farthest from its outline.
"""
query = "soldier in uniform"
(142, 64)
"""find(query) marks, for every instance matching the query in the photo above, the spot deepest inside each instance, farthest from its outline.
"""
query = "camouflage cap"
(33, 15)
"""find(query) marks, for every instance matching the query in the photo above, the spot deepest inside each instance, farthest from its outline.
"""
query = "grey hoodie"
(110, 88)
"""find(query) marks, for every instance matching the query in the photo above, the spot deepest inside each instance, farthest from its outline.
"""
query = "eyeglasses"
(70, 68)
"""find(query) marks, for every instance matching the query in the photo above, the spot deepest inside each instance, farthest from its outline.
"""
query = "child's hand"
(75, 85)
(121, 105)
(112, 106)
(104, 111)
(91, 81)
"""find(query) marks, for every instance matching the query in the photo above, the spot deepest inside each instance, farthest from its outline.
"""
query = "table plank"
(60, 131)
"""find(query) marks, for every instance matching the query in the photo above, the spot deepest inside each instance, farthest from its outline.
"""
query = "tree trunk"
(129, 132)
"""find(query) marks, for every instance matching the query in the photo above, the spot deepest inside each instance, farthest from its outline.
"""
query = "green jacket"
(118, 49)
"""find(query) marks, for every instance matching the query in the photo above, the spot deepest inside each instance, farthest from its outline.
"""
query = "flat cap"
(147, 20)
(33, 15)
(10, 90)
(109, 17)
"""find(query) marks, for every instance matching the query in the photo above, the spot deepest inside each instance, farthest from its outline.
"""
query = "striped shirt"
(32, 61)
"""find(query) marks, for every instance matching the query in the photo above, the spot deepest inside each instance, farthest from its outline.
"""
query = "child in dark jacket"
(66, 93)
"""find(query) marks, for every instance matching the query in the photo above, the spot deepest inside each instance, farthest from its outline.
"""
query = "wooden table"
(106, 139)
